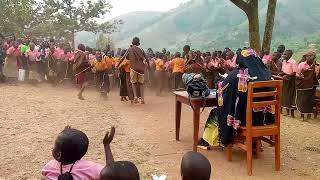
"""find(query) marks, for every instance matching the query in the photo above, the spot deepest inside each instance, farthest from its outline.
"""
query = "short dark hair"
(136, 41)
(73, 145)
(186, 48)
(120, 170)
(82, 47)
(123, 52)
(195, 166)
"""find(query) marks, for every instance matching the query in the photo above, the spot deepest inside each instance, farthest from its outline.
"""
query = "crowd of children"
(131, 69)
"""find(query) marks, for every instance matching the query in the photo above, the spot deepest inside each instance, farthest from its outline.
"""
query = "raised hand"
(109, 136)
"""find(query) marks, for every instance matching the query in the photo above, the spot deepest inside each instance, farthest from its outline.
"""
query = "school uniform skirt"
(304, 100)
(34, 71)
(10, 68)
(289, 92)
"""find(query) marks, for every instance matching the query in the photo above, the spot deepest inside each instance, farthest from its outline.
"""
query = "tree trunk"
(253, 18)
(269, 25)
(73, 40)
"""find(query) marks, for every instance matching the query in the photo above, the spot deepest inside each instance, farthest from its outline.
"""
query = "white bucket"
(22, 74)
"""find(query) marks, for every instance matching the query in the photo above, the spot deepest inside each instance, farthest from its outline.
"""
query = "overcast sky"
(126, 6)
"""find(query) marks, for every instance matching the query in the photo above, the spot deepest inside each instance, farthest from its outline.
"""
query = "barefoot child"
(109, 67)
(306, 82)
(289, 69)
(138, 61)
(160, 73)
(177, 64)
(33, 62)
(125, 81)
(102, 74)
(116, 170)
(80, 69)
(69, 148)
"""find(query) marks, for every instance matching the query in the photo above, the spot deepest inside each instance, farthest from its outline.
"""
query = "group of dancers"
(132, 69)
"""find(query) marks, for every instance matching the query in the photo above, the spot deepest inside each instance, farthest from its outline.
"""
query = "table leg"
(178, 118)
(196, 121)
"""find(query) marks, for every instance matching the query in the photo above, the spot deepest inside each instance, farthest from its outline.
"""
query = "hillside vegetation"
(215, 24)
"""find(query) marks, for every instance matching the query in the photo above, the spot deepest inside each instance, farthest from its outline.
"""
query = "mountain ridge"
(209, 24)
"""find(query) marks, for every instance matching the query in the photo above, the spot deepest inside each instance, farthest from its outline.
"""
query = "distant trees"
(54, 18)
(18, 16)
(104, 42)
(250, 7)
(68, 17)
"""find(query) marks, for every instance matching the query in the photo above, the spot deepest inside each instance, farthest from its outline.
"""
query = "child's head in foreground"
(195, 166)
(70, 146)
(120, 170)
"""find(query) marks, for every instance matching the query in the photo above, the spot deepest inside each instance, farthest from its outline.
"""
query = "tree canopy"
(18, 16)
(55, 18)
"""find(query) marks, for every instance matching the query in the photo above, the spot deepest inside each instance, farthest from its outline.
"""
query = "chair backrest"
(273, 95)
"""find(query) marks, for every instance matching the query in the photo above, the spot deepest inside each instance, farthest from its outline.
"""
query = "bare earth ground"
(31, 117)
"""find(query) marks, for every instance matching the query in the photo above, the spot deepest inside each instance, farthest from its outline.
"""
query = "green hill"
(209, 24)
(134, 22)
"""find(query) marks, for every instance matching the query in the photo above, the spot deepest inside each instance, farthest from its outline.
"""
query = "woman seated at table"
(306, 82)
(224, 121)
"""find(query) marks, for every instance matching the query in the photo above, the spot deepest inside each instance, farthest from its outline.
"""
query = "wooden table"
(197, 103)
(318, 93)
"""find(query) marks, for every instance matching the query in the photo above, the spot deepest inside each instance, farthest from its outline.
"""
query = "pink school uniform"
(289, 67)
(231, 62)
(58, 52)
(82, 170)
(214, 63)
(70, 56)
(33, 55)
(303, 66)
(12, 51)
(267, 58)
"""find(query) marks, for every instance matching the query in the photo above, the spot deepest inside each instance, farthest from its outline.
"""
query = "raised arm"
(106, 143)
(123, 58)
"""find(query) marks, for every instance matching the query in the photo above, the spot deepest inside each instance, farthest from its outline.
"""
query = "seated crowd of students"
(71, 145)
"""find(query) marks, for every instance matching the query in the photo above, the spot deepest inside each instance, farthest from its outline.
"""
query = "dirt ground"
(31, 117)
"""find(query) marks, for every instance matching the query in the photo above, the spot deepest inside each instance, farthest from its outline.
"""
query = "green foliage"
(103, 41)
(66, 17)
(54, 18)
(215, 24)
(18, 16)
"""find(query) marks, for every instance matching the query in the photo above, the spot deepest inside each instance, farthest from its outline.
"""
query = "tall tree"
(269, 25)
(251, 8)
(67, 17)
(18, 16)
(104, 41)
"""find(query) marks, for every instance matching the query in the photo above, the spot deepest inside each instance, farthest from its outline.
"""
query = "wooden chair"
(249, 134)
